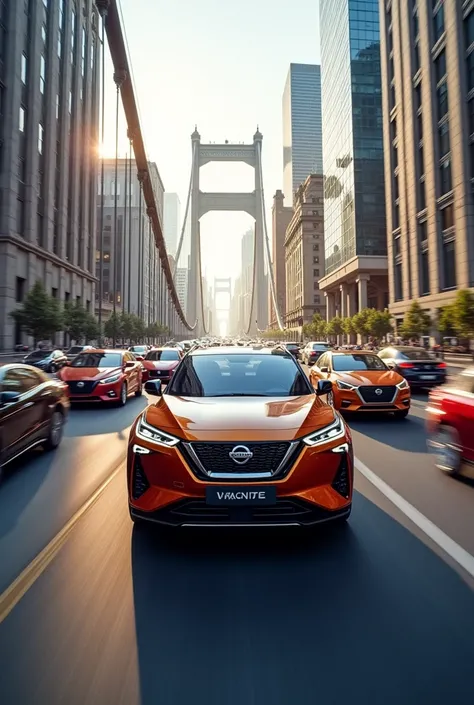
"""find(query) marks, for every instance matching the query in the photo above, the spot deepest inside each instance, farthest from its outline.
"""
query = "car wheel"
(402, 414)
(123, 394)
(56, 429)
(445, 447)
(139, 391)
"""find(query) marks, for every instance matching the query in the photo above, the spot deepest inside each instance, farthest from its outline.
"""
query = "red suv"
(450, 424)
(161, 363)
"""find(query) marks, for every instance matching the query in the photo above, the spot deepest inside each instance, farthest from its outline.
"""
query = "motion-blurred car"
(450, 424)
(33, 411)
(293, 348)
(103, 376)
(139, 350)
(311, 352)
(361, 382)
(161, 363)
(46, 360)
(239, 438)
(76, 349)
(419, 367)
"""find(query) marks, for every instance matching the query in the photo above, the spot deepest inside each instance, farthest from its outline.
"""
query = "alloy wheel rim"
(56, 427)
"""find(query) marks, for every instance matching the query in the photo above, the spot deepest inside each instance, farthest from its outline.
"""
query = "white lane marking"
(453, 549)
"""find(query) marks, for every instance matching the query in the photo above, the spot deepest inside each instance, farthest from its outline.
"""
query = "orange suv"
(239, 438)
(362, 382)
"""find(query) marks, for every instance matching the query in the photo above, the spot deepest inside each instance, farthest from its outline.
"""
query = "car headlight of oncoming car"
(403, 384)
(154, 435)
(333, 432)
(111, 380)
(345, 386)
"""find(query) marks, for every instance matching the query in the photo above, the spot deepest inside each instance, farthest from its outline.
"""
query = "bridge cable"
(254, 281)
(188, 200)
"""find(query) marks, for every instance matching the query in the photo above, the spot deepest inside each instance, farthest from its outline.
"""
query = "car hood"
(87, 374)
(370, 377)
(159, 365)
(240, 418)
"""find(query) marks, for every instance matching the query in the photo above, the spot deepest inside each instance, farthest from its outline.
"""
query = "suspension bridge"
(189, 315)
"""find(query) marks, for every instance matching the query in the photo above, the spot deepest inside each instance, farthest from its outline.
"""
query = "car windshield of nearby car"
(97, 359)
(292, 346)
(39, 354)
(138, 348)
(415, 354)
(320, 346)
(352, 363)
(234, 375)
(163, 355)
(75, 350)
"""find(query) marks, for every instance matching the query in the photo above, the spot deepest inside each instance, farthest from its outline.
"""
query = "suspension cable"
(200, 282)
(254, 281)
(188, 201)
(267, 246)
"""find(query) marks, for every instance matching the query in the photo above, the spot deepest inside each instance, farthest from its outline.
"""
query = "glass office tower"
(353, 160)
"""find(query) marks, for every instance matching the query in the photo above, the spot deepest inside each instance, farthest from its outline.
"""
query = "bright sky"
(221, 65)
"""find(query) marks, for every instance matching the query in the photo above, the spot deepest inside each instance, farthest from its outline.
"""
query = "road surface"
(373, 613)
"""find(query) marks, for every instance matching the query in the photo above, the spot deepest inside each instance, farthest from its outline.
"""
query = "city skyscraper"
(354, 198)
(172, 222)
(428, 137)
(281, 216)
(302, 127)
(49, 115)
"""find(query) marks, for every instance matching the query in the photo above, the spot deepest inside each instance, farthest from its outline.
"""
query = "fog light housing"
(140, 482)
(342, 481)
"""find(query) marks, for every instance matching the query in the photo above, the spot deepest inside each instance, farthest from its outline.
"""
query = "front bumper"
(164, 488)
(101, 393)
(350, 401)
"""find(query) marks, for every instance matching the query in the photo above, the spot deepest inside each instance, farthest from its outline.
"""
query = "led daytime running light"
(333, 432)
(154, 435)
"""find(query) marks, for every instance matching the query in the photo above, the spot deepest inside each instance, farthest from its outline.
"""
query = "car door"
(20, 419)
(132, 371)
(316, 373)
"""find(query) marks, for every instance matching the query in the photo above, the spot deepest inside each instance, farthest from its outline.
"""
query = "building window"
(397, 246)
(422, 195)
(393, 129)
(423, 232)
(396, 191)
(416, 57)
(398, 281)
(392, 96)
(40, 138)
(440, 66)
(424, 273)
(470, 71)
(23, 68)
(442, 100)
(418, 96)
(438, 23)
(421, 160)
(42, 74)
(315, 272)
(22, 119)
(419, 122)
(447, 217)
(396, 216)
(449, 264)
(443, 133)
(445, 176)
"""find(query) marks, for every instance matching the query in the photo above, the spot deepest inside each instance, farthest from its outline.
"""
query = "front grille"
(215, 458)
(158, 373)
(88, 387)
(197, 509)
(377, 395)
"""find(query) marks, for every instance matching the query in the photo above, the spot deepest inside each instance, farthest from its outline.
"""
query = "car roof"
(352, 352)
(401, 348)
(231, 350)
(103, 350)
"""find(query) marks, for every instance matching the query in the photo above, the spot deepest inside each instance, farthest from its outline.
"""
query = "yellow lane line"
(13, 594)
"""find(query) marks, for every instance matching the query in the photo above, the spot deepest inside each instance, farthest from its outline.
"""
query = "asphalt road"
(371, 613)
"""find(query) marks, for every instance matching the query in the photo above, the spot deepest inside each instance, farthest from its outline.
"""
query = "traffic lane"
(42, 491)
(366, 613)
(396, 451)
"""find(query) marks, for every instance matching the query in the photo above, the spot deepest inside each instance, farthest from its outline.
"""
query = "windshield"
(39, 354)
(157, 355)
(292, 346)
(320, 346)
(138, 348)
(415, 354)
(351, 363)
(75, 349)
(97, 359)
(275, 375)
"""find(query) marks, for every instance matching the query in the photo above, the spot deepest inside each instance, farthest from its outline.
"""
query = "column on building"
(351, 307)
(330, 305)
(362, 280)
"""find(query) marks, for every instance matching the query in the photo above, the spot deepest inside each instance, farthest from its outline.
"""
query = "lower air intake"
(140, 483)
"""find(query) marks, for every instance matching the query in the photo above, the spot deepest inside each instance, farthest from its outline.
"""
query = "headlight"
(344, 385)
(154, 435)
(333, 432)
(403, 384)
(110, 380)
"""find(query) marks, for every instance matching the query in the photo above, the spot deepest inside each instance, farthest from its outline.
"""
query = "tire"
(445, 448)
(139, 391)
(402, 414)
(56, 430)
(123, 394)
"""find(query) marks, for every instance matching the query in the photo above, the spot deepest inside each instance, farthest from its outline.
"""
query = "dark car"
(76, 349)
(419, 367)
(33, 410)
(46, 360)
(293, 348)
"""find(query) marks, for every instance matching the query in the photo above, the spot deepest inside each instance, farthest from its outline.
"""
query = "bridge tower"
(252, 203)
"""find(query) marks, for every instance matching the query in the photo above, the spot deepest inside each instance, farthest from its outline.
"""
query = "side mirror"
(140, 358)
(325, 370)
(9, 397)
(153, 388)
(324, 387)
(130, 363)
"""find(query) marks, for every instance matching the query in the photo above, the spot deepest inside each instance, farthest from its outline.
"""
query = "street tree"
(463, 313)
(360, 322)
(336, 326)
(445, 322)
(113, 326)
(416, 322)
(39, 315)
(379, 323)
(75, 320)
